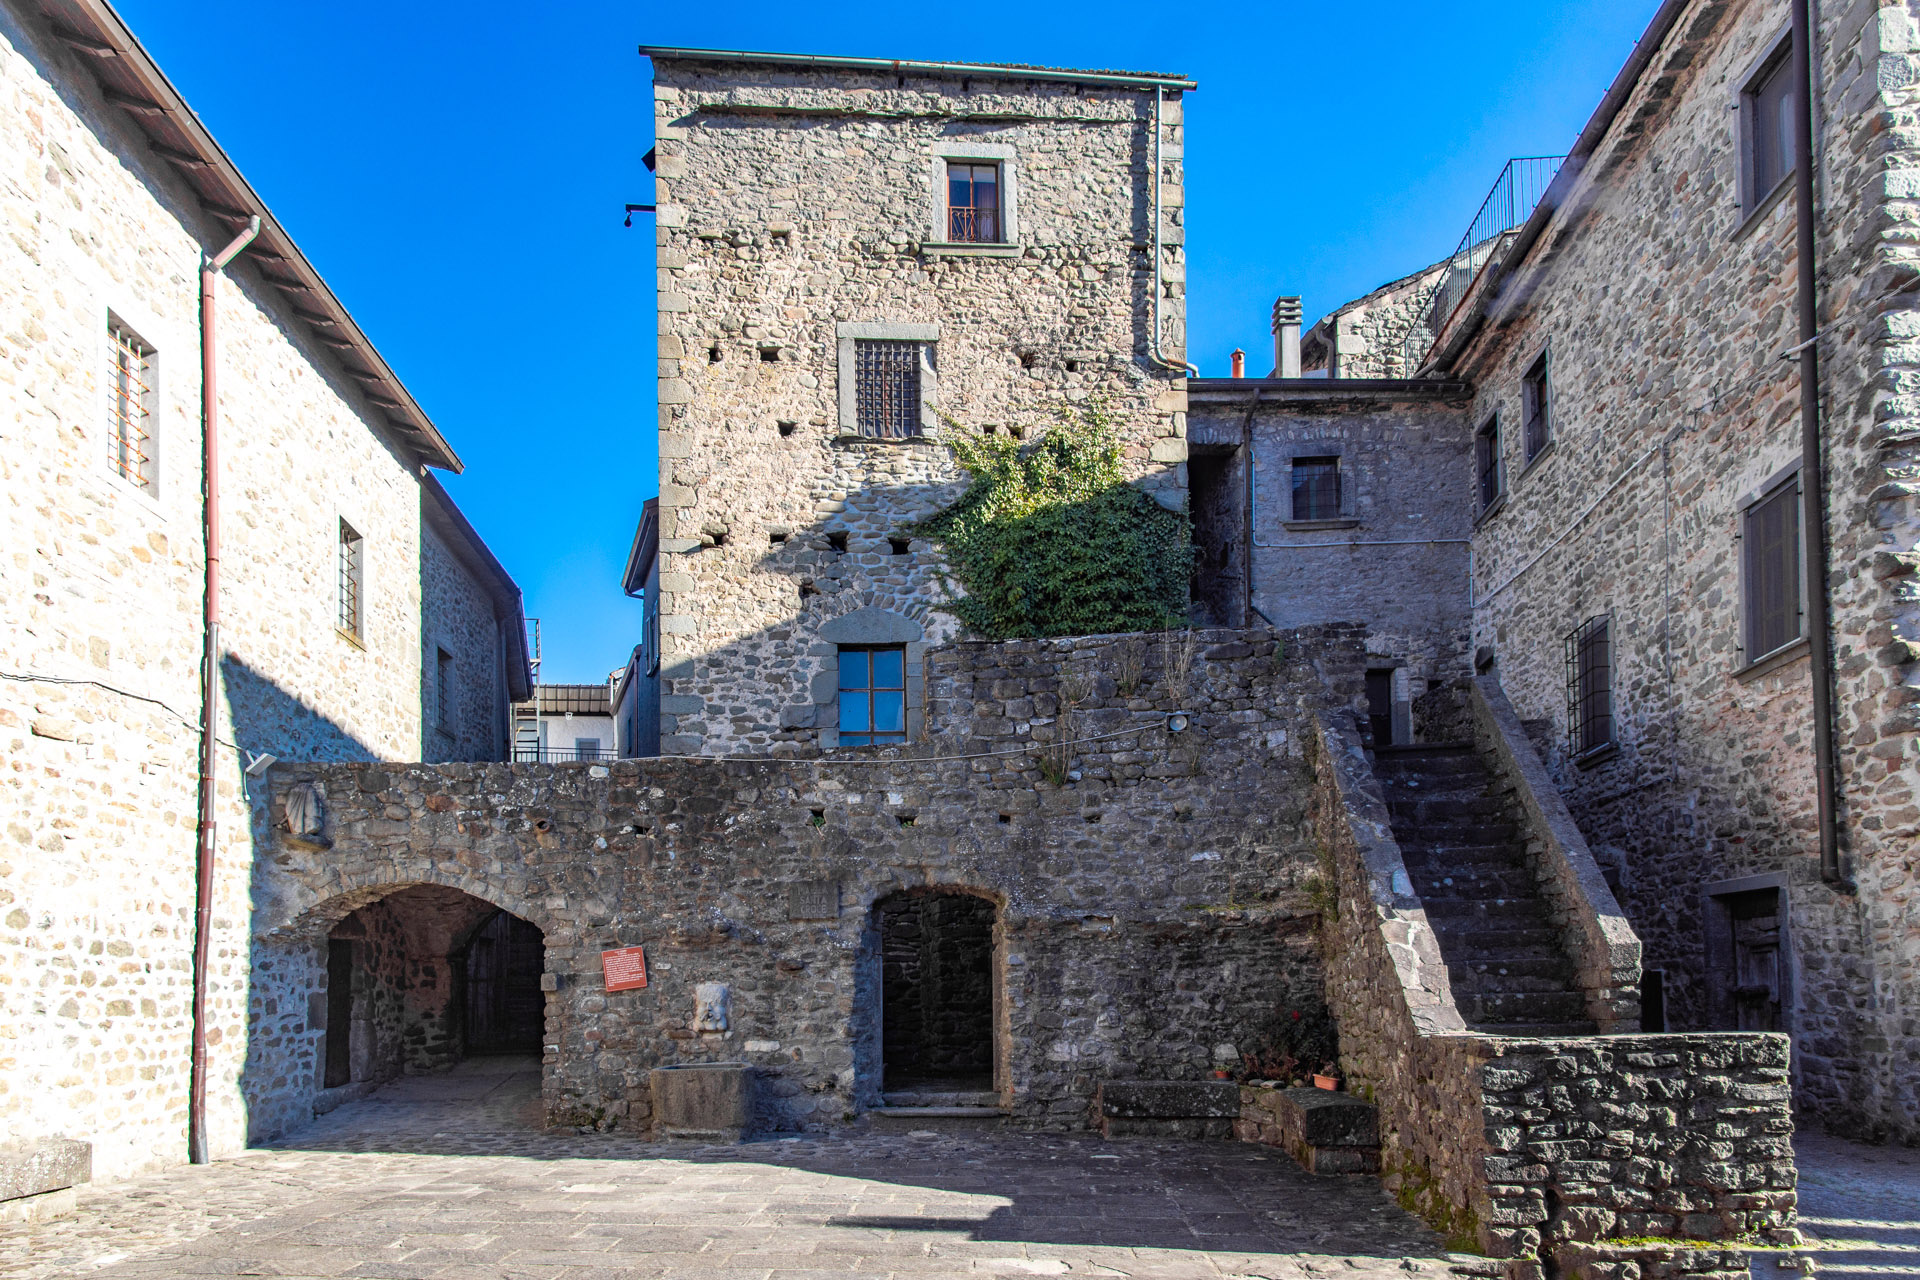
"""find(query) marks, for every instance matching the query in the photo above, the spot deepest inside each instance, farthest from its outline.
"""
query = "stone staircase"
(1466, 853)
(941, 1106)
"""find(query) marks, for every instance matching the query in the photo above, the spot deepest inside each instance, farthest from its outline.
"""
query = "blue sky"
(457, 174)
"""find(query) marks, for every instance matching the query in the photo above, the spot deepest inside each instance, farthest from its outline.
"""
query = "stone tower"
(856, 258)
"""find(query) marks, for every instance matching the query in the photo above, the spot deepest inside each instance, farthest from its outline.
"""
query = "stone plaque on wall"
(813, 900)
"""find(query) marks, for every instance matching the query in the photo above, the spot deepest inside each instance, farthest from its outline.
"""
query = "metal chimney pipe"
(1286, 338)
(1239, 359)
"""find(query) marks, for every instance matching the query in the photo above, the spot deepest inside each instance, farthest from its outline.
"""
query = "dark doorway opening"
(1216, 495)
(1381, 712)
(424, 978)
(936, 989)
(506, 1010)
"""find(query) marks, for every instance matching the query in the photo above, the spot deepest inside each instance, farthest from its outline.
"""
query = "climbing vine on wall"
(1050, 539)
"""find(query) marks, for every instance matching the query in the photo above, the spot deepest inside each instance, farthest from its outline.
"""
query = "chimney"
(1286, 338)
(1239, 359)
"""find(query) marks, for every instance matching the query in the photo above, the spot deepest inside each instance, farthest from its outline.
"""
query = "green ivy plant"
(1050, 540)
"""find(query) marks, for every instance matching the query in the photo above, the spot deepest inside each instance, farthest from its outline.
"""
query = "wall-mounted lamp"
(1177, 722)
(257, 766)
(637, 208)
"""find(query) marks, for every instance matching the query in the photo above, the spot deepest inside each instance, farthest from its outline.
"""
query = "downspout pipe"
(210, 269)
(1813, 486)
(1153, 244)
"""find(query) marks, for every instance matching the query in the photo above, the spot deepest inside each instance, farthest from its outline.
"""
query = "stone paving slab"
(461, 1185)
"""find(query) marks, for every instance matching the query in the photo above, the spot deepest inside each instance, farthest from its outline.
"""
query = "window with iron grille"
(352, 580)
(443, 689)
(1486, 461)
(1590, 685)
(873, 695)
(1770, 555)
(973, 203)
(129, 405)
(1766, 110)
(886, 388)
(1534, 429)
(1316, 488)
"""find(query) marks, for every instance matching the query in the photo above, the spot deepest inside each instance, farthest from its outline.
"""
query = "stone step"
(1461, 853)
(904, 1098)
(1466, 831)
(1473, 942)
(1478, 911)
(1486, 1008)
(1430, 811)
(1537, 973)
(1487, 880)
(940, 1113)
(1539, 1030)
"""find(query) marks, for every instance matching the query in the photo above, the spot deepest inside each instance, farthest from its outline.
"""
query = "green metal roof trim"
(907, 66)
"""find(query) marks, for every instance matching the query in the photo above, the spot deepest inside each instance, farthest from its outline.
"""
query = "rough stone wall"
(1367, 338)
(1665, 317)
(1412, 595)
(1151, 903)
(1516, 1146)
(458, 617)
(792, 201)
(102, 641)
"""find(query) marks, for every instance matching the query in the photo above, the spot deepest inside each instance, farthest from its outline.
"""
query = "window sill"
(969, 249)
(1786, 655)
(1546, 451)
(1596, 755)
(855, 438)
(1758, 214)
(1308, 526)
(1491, 510)
(350, 638)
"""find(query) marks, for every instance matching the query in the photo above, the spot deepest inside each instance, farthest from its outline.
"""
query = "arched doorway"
(937, 991)
(425, 977)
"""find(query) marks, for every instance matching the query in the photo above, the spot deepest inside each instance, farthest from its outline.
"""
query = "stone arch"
(936, 978)
(323, 900)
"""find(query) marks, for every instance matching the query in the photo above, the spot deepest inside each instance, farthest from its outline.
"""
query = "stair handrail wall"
(1593, 929)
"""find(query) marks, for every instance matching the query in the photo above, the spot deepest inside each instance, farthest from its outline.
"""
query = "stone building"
(857, 257)
(1610, 383)
(362, 616)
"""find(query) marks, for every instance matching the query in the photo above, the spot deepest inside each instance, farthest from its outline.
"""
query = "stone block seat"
(1166, 1108)
(1466, 853)
(38, 1177)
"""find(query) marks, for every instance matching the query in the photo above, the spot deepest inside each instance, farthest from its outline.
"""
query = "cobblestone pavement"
(1861, 1207)
(449, 1177)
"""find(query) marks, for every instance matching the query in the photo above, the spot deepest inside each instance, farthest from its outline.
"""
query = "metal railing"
(1515, 195)
(560, 755)
(973, 226)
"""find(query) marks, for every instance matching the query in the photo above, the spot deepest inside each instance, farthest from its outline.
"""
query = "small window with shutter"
(1770, 569)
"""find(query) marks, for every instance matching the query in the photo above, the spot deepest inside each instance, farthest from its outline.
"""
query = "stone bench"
(1326, 1132)
(1166, 1108)
(37, 1178)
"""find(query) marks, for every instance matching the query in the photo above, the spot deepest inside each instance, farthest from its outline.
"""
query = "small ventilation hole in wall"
(807, 588)
(1028, 359)
(819, 818)
(786, 428)
(769, 355)
(1093, 817)
(1016, 432)
(713, 354)
(993, 428)
(900, 545)
(1006, 817)
(907, 819)
(1073, 366)
(777, 537)
(838, 541)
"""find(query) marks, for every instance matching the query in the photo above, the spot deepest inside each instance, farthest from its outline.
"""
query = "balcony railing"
(560, 755)
(973, 226)
(1515, 195)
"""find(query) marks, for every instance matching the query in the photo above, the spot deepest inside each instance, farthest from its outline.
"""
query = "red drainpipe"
(209, 690)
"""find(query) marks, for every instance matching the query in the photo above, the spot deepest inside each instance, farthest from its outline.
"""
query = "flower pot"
(1223, 1075)
(1331, 1083)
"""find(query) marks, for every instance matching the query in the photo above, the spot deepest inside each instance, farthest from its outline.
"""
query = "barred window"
(1771, 563)
(129, 404)
(886, 388)
(352, 580)
(1590, 686)
(1316, 488)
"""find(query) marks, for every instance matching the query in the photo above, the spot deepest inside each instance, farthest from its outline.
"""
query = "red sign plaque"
(625, 968)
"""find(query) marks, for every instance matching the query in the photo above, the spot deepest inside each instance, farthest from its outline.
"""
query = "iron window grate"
(886, 383)
(352, 579)
(1316, 488)
(1590, 685)
(130, 406)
